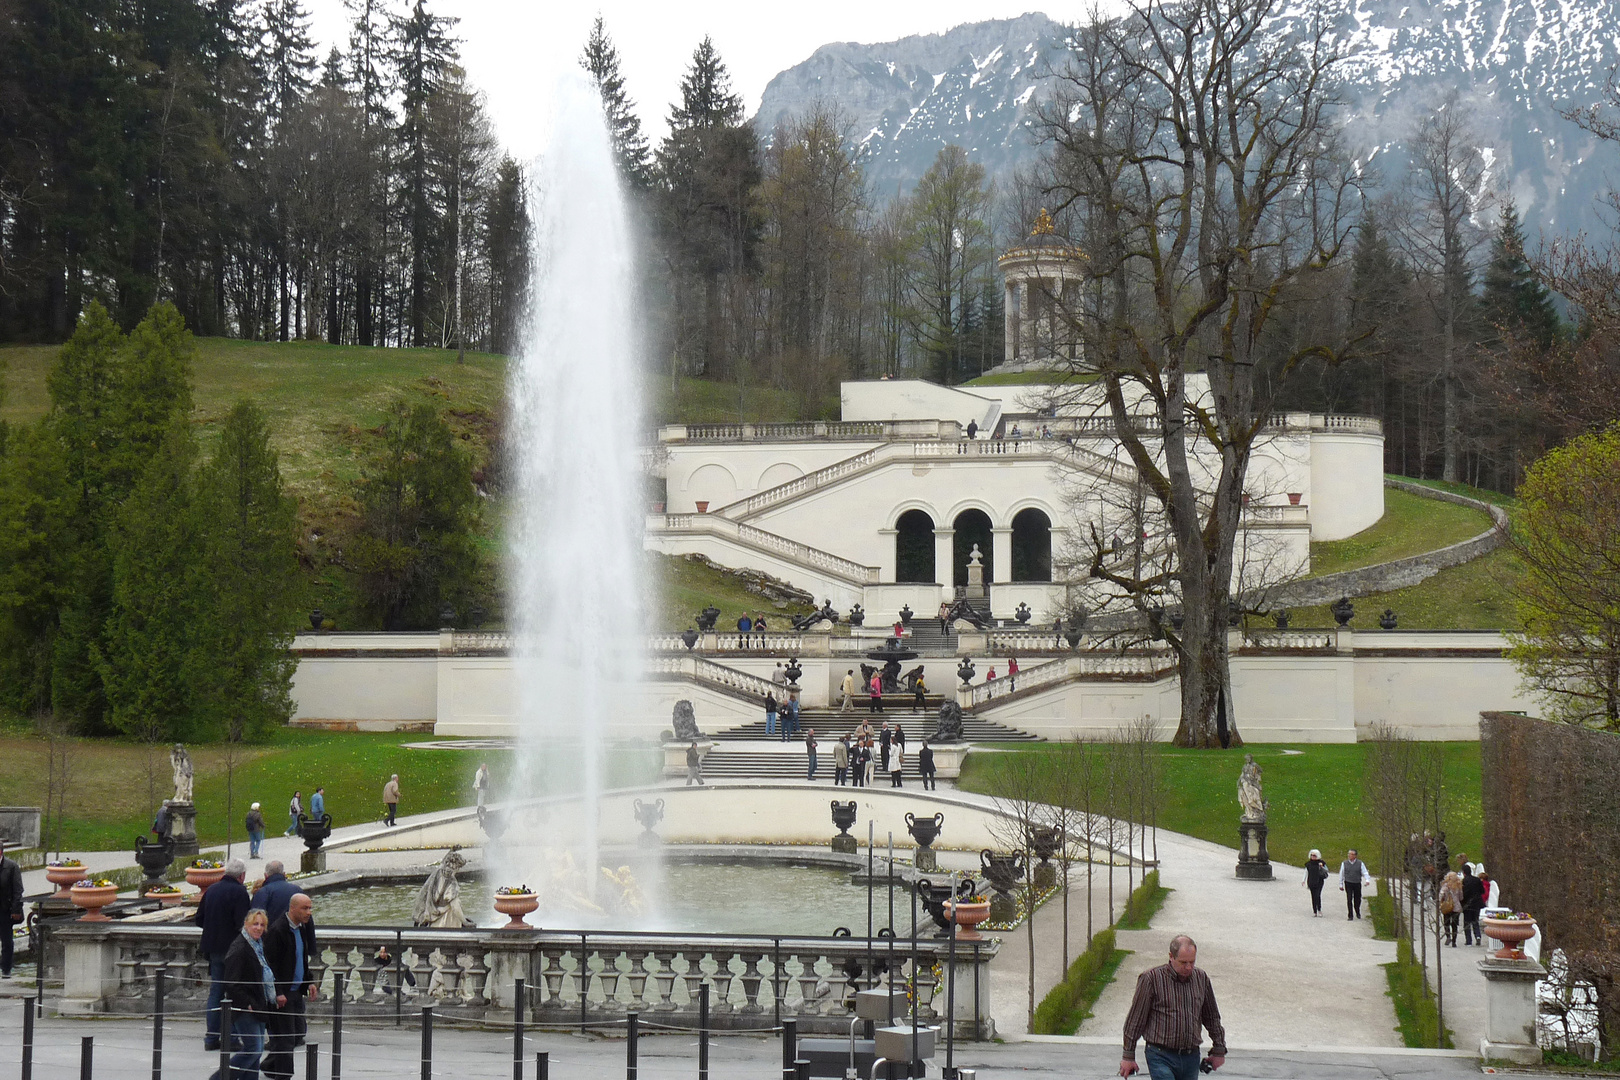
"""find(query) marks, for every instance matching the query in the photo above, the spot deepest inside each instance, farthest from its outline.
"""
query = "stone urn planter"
(1005, 873)
(168, 895)
(648, 815)
(968, 914)
(203, 876)
(1511, 932)
(925, 830)
(843, 816)
(154, 859)
(92, 898)
(515, 905)
(1045, 841)
(63, 876)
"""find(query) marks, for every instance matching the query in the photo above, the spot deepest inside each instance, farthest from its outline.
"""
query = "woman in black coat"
(250, 987)
(1316, 875)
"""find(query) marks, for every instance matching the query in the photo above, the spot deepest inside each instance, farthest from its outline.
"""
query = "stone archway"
(972, 527)
(914, 548)
(1031, 546)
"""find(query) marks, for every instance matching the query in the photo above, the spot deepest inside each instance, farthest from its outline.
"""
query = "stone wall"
(1398, 573)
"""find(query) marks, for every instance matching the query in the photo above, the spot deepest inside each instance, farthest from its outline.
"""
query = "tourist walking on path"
(220, 912)
(875, 689)
(745, 626)
(391, 798)
(897, 764)
(294, 808)
(1451, 904)
(841, 761)
(899, 737)
(1352, 874)
(1172, 1003)
(925, 766)
(990, 683)
(1012, 674)
(481, 787)
(919, 700)
(1473, 898)
(848, 687)
(251, 987)
(275, 892)
(317, 804)
(694, 766)
(11, 907)
(810, 749)
(255, 830)
(1316, 875)
(288, 945)
(770, 713)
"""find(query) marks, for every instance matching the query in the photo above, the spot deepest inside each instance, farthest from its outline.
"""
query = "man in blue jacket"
(224, 905)
(275, 891)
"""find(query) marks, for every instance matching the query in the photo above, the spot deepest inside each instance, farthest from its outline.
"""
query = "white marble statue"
(181, 761)
(439, 901)
(1249, 794)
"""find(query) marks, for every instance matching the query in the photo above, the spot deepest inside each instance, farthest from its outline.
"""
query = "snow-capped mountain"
(1516, 63)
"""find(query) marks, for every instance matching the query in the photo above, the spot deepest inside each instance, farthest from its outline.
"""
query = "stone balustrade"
(572, 979)
(1133, 665)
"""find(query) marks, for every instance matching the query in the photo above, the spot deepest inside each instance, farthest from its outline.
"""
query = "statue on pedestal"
(181, 762)
(685, 721)
(950, 724)
(1249, 794)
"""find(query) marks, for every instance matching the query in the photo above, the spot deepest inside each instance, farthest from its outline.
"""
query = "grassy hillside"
(1411, 525)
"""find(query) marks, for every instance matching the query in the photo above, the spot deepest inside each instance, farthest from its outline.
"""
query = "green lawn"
(1411, 525)
(1474, 596)
(1315, 795)
(686, 586)
(108, 804)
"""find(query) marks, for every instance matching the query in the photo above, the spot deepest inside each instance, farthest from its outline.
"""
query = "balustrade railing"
(1095, 665)
(849, 571)
(573, 979)
(707, 671)
(1289, 640)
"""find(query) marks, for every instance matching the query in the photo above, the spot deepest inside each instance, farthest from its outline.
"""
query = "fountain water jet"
(575, 552)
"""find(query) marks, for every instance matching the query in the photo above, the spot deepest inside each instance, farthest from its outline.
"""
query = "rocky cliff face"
(1517, 63)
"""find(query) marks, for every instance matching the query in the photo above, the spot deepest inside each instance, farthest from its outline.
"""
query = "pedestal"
(183, 828)
(1510, 1011)
(1045, 876)
(1254, 864)
(925, 860)
(312, 862)
(843, 843)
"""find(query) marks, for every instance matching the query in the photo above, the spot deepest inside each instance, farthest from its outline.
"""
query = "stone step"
(830, 725)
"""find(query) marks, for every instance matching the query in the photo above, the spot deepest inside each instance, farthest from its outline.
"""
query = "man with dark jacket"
(274, 891)
(11, 907)
(288, 946)
(224, 905)
(1473, 899)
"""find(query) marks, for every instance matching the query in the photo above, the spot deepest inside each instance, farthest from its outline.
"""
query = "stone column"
(1009, 319)
(1510, 1010)
(89, 968)
(889, 564)
(1027, 341)
(944, 572)
(1000, 554)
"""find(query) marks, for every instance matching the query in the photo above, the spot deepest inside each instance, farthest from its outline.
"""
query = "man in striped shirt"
(1172, 1003)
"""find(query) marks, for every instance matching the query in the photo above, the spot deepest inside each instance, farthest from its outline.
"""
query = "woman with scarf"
(250, 986)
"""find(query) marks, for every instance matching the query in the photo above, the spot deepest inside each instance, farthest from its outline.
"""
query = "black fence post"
(225, 1039)
(28, 1040)
(337, 1024)
(801, 1069)
(703, 1031)
(399, 978)
(542, 1065)
(584, 982)
(630, 1045)
(87, 1053)
(790, 1047)
(517, 1030)
(312, 1061)
(978, 1030)
(427, 1042)
(157, 1025)
(776, 978)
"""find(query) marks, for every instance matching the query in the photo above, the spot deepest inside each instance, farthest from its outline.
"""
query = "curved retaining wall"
(1400, 573)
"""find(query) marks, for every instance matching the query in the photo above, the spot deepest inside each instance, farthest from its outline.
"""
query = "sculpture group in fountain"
(180, 760)
(438, 903)
(1249, 793)
(569, 893)
(950, 724)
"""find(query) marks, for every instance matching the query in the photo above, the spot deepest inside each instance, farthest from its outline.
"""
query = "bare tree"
(61, 757)
(1021, 788)
(1194, 147)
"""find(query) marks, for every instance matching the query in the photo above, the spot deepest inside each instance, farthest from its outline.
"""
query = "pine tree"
(630, 150)
(706, 97)
(507, 253)
(1515, 299)
(370, 48)
(426, 57)
(240, 668)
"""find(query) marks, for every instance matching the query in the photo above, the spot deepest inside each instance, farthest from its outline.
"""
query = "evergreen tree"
(413, 549)
(507, 253)
(33, 497)
(1515, 299)
(630, 150)
(370, 49)
(706, 97)
(426, 57)
(240, 667)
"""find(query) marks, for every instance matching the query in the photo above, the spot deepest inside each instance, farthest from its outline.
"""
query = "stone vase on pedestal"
(1254, 863)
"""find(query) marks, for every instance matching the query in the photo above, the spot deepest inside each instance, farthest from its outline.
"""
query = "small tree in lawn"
(61, 757)
(1567, 538)
(1021, 786)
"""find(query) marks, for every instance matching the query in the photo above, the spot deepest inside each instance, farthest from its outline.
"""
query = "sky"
(512, 48)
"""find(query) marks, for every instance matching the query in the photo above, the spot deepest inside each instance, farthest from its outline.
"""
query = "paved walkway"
(122, 1048)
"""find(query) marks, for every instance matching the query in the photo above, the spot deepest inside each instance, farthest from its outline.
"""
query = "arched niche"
(1031, 545)
(914, 548)
(972, 527)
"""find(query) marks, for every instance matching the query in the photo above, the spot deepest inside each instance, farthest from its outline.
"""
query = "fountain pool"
(785, 898)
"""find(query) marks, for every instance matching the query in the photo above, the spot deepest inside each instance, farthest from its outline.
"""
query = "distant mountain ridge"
(1516, 63)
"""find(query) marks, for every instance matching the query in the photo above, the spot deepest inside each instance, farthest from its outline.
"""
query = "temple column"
(943, 570)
